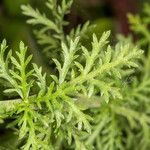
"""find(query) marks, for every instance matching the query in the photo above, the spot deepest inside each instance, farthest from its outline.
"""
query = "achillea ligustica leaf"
(88, 102)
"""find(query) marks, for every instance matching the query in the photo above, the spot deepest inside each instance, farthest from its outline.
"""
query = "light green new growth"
(140, 25)
(51, 34)
(89, 103)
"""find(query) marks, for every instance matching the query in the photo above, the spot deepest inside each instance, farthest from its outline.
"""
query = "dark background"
(103, 15)
(106, 14)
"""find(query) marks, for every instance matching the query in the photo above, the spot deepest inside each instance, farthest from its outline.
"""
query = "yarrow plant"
(93, 100)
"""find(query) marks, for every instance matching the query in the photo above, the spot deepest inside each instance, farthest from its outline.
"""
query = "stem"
(93, 74)
(82, 102)
(96, 132)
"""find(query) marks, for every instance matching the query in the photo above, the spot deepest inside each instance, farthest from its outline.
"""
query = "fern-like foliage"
(140, 25)
(89, 103)
(128, 119)
(52, 31)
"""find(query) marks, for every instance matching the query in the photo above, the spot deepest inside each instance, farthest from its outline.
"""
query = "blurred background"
(103, 15)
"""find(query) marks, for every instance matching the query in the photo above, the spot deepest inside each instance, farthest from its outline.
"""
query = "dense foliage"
(96, 98)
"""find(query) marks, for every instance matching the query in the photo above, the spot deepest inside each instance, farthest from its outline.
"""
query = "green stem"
(102, 69)
(96, 132)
